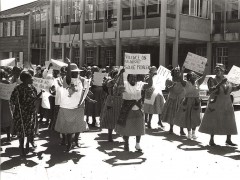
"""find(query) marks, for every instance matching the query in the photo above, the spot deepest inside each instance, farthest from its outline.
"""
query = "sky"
(7, 4)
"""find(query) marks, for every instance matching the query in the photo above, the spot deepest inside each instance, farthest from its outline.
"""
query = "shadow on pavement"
(118, 157)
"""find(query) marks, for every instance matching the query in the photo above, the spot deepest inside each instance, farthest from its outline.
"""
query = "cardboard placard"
(98, 78)
(6, 90)
(233, 75)
(7, 62)
(57, 65)
(136, 63)
(195, 63)
(162, 75)
(40, 83)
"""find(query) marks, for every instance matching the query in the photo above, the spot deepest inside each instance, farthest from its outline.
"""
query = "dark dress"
(24, 121)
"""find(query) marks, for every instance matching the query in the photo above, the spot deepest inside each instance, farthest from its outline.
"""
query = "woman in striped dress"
(131, 118)
(175, 96)
(112, 105)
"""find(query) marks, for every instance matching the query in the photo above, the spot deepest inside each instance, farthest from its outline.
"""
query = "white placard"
(233, 75)
(162, 75)
(57, 65)
(40, 83)
(195, 62)
(136, 63)
(98, 78)
(87, 83)
(6, 90)
(7, 62)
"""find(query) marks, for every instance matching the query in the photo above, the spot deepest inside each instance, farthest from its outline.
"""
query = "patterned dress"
(219, 118)
(24, 113)
(175, 96)
(111, 108)
(190, 108)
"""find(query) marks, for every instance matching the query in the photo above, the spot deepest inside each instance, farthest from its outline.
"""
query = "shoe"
(22, 151)
(189, 136)
(170, 131)
(126, 147)
(138, 148)
(149, 126)
(211, 143)
(33, 144)
(230, 143)
(110, 140)
(69, 147)
(161, 125)
(27, 148)
(194, 136)
(182, 133)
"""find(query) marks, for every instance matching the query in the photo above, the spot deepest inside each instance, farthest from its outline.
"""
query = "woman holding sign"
(175, 97)
(219, 118)
(190, 108)
(154, 100)
(70, 118)
(131, 119)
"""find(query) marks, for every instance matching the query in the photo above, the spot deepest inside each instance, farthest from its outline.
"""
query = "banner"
(136, 63)
(40, 83)
(6, 90)
(233, 75)
(98, 78)
(195, 63)
(7, 62)
(57, 65)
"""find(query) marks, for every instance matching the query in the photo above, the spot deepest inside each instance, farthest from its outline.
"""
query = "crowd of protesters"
(121, 104)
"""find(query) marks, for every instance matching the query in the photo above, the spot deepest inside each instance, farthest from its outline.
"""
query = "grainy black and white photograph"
(119, 89)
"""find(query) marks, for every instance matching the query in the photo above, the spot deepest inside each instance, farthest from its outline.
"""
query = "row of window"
(12, 28)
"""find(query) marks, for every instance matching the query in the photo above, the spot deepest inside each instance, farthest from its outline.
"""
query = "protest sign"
(195, 63)
(87, 83)
(7, 62)
(98, 78)
(136, 63)
(57, 65)
(162, 75)
(233, 75)
(40, 83)
(6, 90)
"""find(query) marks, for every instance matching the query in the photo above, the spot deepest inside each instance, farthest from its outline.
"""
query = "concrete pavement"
(164, 156)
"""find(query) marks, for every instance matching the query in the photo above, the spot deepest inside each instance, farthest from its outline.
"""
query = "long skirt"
(155, 108)
(110, 112)
(188, 115)
(134, 124)
(70, 121)
(94, 109)
(170, 110)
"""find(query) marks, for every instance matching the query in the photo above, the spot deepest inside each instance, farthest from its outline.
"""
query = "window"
(138, 7)
(232, 9)
(77, 56)
(89, 57)
(109, 57)
(21, 27)
(153, 7)
(1, 29)
(8, 28)
(100, 9)
(5, 24)
(201, 51)
(200, 8)
(126, 5)
(13, 28)
(18, 27)
(222, 55)
(89, 10)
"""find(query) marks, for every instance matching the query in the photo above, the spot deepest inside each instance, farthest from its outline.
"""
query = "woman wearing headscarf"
(219, 118)
(131, 118)
(22, 101)
(154, 100)
(70, 118)
(190, 108)
(175, 97)
(112, 104)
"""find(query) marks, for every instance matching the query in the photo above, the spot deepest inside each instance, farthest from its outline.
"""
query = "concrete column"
(82, 30)
(176, 40)
(209, 57)
(51, 17)
(29, 37)
(118, 38)
(163, 32)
